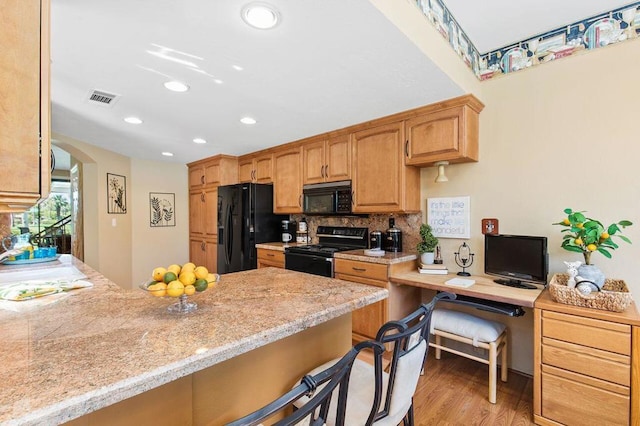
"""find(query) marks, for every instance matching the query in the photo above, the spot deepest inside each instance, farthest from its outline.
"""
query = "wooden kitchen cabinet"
(585, 365)
(204, 252)
(218, 170)
(204, 178)
(381, 181)
(267, 257)
(446, 131)
(25, 175)
(287, 180)
(256, 168)
(402, 300)
(326, 160)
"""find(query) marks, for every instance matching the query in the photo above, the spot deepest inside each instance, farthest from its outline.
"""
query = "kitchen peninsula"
(104, 355)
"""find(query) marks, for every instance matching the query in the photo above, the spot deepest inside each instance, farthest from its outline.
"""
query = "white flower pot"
(426, 258)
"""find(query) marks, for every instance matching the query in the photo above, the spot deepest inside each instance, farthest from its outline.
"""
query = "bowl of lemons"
(180, 282)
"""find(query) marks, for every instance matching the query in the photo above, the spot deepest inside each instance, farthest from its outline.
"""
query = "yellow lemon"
(578, 241)
(169, 276)
(175, 269)
(201, 272)
(579, 225)
(158, 273)
(566, 221)
(604, 236)
(187, 278)
(592, 247)
(189, 266)
(189, 290)
(158, 289)
(175, 289)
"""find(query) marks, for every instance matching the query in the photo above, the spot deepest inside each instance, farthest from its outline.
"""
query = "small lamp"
(441, 176)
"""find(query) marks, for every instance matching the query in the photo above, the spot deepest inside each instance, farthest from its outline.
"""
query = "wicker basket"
(614, 296)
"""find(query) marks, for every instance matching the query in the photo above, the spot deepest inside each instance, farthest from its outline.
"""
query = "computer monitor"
(516, 259)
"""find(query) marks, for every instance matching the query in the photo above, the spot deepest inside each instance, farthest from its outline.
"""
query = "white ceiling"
(329, 64)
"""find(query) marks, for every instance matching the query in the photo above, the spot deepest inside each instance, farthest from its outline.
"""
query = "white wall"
(559, 135)
(158, 246)
(127, 252)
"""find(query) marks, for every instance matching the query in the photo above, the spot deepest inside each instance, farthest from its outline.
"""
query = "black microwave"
(331, 198)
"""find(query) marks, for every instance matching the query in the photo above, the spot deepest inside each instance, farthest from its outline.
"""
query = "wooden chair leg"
(438, 350)
(493, 372)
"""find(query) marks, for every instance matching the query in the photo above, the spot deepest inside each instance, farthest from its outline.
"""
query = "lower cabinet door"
(204, 253)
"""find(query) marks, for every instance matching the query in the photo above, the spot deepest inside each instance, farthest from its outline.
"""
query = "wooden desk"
(484, 287)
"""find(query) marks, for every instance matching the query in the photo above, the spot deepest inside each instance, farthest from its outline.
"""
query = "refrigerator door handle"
(229, 240)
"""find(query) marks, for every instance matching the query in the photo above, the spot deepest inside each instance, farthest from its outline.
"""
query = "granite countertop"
(70, 354)
(389, 258)
(278, 246)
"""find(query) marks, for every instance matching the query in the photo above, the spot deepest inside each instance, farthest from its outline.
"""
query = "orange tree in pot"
(586, 235)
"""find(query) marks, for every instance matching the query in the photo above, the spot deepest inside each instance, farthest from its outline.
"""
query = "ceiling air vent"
(103, 98)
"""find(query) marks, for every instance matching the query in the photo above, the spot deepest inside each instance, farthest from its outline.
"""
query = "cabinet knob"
(202, 179)
(203, 246)
(270, 254)
(326, 170)
(300, 200)
(322, 171)
(406, 148)
(202, 197)
(359, 269)
(353, 198)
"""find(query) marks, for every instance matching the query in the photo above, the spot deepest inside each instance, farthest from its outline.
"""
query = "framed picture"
(116, 194)
(162, 209)
(450, 217)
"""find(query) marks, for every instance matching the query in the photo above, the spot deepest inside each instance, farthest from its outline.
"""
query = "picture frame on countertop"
(116, 194)
(162, 209)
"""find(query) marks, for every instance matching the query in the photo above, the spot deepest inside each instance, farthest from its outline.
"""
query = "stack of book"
(434, 269)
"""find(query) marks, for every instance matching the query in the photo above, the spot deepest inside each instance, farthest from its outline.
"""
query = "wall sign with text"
(450, 217)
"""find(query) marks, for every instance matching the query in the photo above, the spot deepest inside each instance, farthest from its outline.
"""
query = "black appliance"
(245, 218)
(393, 237)
(332, 198)
(289, 230)
(317, 259)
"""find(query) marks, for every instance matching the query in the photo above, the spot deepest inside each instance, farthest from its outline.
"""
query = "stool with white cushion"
(472, 330)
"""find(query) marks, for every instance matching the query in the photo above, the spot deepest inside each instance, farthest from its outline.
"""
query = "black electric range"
(317, 259)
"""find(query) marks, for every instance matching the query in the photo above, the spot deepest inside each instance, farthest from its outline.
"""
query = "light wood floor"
(454, 391)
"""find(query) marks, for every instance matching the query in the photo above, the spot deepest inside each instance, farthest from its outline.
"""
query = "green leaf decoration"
(625, 223)
(604, 252)
(568, 211)
(579, 217)
(625, 239)
(573, 248)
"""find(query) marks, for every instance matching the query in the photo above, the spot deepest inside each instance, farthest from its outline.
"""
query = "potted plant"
(427, 244)
(586, 235)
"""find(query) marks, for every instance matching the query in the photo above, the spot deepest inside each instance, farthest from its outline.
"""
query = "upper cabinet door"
(263, 166)
(338, 158)
(377, 168)
(24, 104)
(447, 132)
(313, 163)
(287, 182)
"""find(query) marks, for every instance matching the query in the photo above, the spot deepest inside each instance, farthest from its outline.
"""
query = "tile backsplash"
(409, 224)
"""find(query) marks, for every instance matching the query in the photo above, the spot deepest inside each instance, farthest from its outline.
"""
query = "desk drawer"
(605, 335)
(574, 403)
(374, 271)
(592, 362)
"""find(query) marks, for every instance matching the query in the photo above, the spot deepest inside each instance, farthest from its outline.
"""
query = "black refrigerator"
(245, 218)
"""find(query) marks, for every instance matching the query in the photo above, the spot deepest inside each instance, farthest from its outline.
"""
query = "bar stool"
(475, 331)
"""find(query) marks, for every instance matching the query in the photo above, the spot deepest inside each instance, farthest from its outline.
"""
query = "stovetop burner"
(333, 239)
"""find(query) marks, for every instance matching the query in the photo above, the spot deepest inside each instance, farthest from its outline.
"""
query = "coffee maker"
(288, 230)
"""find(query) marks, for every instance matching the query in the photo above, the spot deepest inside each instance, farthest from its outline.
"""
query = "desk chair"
(325, 396)
(389, 392)
(475, 331)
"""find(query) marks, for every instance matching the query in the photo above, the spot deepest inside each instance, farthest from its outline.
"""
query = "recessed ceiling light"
(199, 140)
(248, 120)
(260, 15)
(237, 67)
(217, 81)
(176, 86)
(167, 154)
(133, 120)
